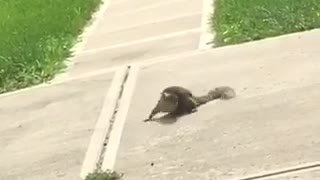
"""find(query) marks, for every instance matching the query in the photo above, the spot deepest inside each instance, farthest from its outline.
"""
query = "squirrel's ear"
(166, 95)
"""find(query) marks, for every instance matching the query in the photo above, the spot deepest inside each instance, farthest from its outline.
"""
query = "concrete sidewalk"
(271, 129)
(45, 131)
(131, 31)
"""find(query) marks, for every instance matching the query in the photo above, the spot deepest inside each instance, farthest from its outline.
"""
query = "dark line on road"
(317, 165)
(105, 144)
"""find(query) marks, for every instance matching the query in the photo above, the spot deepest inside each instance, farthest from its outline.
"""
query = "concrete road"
(45, 132)
(272, 124)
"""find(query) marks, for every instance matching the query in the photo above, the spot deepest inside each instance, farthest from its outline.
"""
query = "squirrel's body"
(178, 100)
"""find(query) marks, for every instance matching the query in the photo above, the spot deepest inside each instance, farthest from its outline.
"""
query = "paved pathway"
(45, 131)
(270, 129)
(57, 131)
(131, 31)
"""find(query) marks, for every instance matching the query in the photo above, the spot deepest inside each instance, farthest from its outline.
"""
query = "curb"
(206, 36)
(57, 82)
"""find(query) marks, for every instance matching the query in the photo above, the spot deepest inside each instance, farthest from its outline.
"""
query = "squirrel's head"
(168, 102)
(170, 97)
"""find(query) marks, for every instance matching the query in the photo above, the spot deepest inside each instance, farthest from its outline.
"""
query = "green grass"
(98, 174)
(237, 21)
(36, 37)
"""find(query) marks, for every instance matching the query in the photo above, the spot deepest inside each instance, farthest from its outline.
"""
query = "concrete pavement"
(131, 31)
(270, 129)
(45, 132)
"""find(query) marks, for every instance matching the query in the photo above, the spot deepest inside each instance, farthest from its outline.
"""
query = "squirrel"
(177, 100)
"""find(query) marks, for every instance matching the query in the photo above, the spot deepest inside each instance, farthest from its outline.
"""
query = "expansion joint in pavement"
(103, 147)
(119, 118)
(283, 172)
(112, 120)
(104, 123)
(149, 39)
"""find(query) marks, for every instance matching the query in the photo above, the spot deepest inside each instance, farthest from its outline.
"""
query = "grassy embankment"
(36, 37)
(237, 21)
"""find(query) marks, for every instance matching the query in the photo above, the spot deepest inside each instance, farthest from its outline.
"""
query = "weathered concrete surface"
(129, 6)
(273, 123)
(131, 31)
(313, 174)
(103, 38)
(93, 61)
(132, 15)
(45, 132)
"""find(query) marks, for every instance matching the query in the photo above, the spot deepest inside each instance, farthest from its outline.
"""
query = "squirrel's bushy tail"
(222, 92)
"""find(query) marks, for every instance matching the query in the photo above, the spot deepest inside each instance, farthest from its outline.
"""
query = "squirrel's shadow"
(169, 118)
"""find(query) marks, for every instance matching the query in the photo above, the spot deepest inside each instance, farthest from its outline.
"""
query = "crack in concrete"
(281, 172)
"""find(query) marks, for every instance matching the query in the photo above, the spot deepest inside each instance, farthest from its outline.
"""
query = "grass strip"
(36, 37)
(238, 21)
